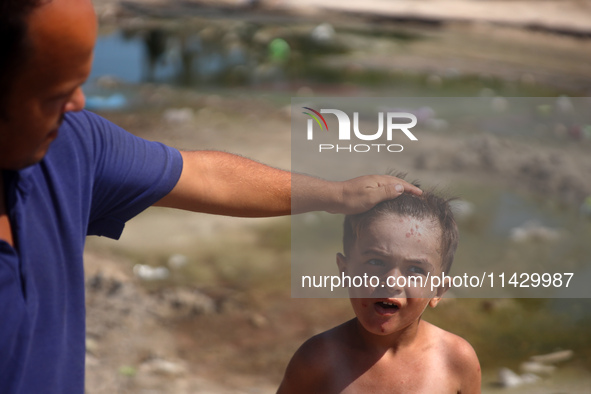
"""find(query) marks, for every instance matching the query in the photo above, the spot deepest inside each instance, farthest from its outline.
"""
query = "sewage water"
(274, 57)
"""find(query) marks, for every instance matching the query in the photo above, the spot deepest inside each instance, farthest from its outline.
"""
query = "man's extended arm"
(226, 184)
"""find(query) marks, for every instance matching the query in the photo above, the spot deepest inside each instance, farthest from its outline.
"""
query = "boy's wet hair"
(427, 205)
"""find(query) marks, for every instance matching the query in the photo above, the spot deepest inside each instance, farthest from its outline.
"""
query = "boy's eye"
(415, 269)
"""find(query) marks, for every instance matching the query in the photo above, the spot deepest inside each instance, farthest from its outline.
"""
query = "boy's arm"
(467, 366)
(226, 184)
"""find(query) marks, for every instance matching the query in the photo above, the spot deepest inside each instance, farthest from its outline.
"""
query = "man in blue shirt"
(66, 173)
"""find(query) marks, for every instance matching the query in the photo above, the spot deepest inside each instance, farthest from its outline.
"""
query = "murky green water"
(343, 60)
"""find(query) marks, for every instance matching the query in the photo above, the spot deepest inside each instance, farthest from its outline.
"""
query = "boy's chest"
(420, 375)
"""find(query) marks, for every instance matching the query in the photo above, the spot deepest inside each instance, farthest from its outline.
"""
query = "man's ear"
(441, 290)
(342, 263)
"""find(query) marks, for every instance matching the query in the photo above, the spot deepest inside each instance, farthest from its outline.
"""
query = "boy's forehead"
(394, 230)
(394, 222)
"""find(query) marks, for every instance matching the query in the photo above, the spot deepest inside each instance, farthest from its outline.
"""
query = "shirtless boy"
(387, 347)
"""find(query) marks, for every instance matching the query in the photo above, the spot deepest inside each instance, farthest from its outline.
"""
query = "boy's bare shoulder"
(312, 363)
(459, 356)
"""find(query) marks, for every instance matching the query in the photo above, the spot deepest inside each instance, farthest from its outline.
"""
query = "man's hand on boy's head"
(347, 197)
(363, 193)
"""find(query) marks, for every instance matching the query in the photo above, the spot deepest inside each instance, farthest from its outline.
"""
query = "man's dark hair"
(14, 45)
(426, 206)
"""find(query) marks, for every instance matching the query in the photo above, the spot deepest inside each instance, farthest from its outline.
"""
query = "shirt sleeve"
(130, 174)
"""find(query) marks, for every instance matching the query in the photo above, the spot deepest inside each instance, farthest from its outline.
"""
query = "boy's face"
(391, 249)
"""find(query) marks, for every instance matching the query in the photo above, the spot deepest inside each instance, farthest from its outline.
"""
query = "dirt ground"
(214, 327)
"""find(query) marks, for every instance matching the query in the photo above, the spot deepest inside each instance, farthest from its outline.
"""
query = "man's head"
(45, 56)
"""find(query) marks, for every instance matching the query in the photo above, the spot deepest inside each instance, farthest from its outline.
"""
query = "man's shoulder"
(80, 131)
(86, 123)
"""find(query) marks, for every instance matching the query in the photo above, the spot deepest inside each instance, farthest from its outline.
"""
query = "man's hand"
(226, 184)
(348, 197)
(363, 193)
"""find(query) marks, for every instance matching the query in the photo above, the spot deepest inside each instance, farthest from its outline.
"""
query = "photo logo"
(392, 120)
(316, 119)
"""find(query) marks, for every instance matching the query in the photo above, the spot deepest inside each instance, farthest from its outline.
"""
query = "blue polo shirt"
(93, 179)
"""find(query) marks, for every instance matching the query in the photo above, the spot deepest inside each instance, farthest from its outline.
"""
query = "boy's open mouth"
(386, 307)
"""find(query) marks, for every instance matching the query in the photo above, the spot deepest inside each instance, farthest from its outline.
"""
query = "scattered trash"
(127, 370)
(553, 358)
(258, 320)
(279, 50)
(91, 346)
(158, 366)
(533, 230)
(177, 261)
(148, 273)
(184, 302)
(178, 115)
(508, 378)
(100, 103)
(536, 368)
(108, 82)
(323, 33)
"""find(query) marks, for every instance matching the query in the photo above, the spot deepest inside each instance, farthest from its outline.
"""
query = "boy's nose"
(392, 284)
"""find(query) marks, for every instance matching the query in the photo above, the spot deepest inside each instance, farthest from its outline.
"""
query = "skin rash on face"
(392, 247)
(62, 34)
